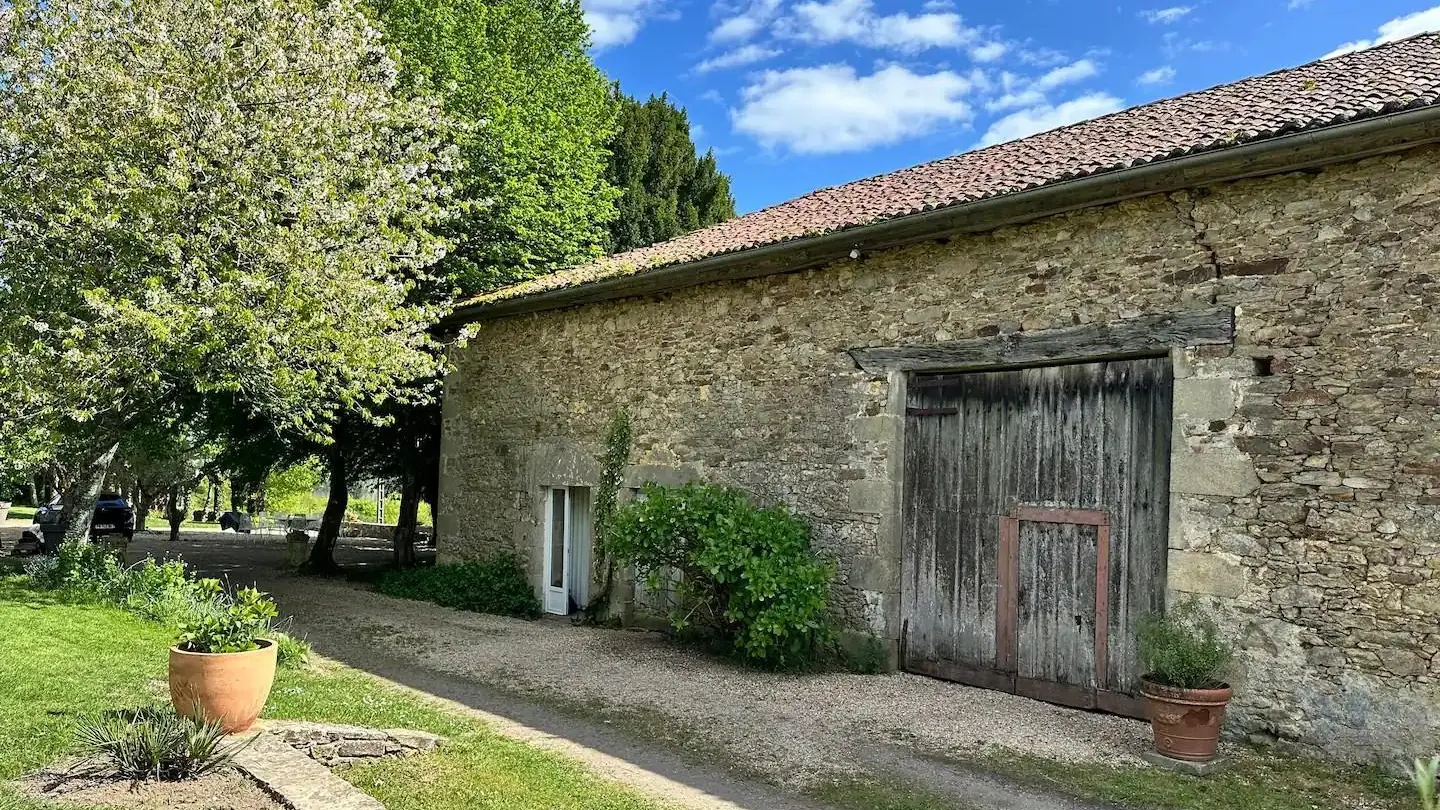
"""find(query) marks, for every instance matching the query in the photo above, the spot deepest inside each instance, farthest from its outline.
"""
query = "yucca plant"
(154, 742)
(1423, 774)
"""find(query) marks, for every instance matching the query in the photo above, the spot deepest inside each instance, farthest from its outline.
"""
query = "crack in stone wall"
(1187, 204)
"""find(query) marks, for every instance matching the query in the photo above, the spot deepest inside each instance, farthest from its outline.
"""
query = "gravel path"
(792, 731)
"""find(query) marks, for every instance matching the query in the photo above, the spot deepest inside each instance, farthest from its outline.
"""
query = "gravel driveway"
(787, 730)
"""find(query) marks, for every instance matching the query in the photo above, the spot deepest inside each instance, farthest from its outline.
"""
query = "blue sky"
(795, 95)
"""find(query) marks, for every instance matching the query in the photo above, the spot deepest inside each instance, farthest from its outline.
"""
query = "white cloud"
(831, 21)
(1047, 117)
(1160, 75)
(830, 109)
(1067, 74)
(616, 22)
(1042, 57)
(744, 55)
(744, 22)
(1029, 97)
(1020, 92)
(988, 51)
(697, 131)
(1399, 28)
(1175, 45)
(1295, 4)
(1165, 16)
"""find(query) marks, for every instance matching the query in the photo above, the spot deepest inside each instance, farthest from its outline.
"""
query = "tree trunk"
(322, 555)
(49, 486)
(79, 498)
(142, 507)
(407, 521)
(177, 504)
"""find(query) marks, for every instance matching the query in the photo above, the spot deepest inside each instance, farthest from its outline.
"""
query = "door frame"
(557, 599)
(1007, 627)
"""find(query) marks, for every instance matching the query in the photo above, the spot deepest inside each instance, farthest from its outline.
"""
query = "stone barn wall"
(1306, 468)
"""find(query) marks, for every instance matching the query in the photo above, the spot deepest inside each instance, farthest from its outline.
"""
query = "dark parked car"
(113, 515)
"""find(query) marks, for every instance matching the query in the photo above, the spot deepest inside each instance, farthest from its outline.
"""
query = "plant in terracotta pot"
(1186, 660)
(222, 667)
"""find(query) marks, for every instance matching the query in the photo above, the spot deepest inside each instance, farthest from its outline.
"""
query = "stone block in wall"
(1201, 399)
(1190, 528)
(1200, 572)
(1213, 473)
(665, 475)
(877, 429)
(874, 573)
(871, 497)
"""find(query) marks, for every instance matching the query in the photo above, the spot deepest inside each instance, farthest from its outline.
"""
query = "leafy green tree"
(666, 189)
(534, 165)
(208, 196)
(160, 462)
(292, 490)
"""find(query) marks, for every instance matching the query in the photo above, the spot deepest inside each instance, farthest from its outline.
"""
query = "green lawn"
(59, 660)
(20, 513)
(1253, 781)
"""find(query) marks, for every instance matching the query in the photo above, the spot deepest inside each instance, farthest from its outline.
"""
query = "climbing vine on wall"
(613, 461)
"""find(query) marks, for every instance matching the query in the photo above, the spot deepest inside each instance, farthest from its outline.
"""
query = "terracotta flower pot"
(230, 688)
(1186, 722)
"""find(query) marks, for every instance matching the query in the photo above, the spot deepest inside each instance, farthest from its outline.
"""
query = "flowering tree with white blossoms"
(208, 197)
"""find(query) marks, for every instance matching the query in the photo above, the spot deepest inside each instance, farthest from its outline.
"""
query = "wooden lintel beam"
(1132, 337)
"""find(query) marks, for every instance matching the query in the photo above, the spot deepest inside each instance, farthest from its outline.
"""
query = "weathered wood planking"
(1055, 603)
(1091, 440)
(1134, 337)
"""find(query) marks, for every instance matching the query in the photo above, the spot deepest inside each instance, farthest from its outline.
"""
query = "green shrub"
(869, 656)
(226, 622)
(160, 591)
(1423, 774)
(747, 576)
(1183, 648)
(496, 585)
(88, 566)
(292, 652)
(209, 618)
(43, 571)
(153, 743)
(361, 511)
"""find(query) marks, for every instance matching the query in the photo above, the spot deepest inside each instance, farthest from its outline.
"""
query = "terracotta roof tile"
(1392, 77)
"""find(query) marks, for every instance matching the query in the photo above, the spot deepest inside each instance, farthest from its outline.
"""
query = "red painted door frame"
(1007, 631)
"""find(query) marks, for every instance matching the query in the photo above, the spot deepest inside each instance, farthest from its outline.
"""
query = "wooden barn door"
(1035, 526)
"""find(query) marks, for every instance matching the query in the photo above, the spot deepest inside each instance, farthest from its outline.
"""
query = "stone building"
(1026, 394)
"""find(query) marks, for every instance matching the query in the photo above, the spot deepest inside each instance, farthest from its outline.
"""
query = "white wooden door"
(558, 552)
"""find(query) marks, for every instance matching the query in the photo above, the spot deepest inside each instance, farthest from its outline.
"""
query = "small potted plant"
(222, 668)
(1186, 660)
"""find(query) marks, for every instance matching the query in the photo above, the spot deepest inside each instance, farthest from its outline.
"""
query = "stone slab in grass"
(299, 781)
(332, 744)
